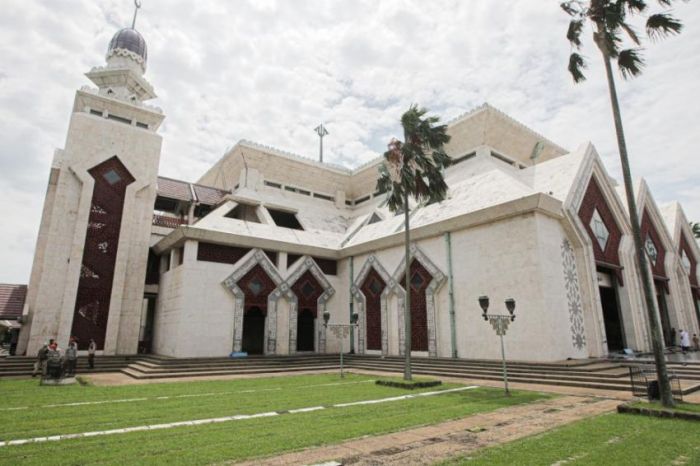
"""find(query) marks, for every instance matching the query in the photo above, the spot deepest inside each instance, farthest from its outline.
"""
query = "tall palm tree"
(414, 168)
(609, 20)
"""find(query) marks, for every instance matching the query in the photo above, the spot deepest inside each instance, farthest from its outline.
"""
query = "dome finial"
(137, 5)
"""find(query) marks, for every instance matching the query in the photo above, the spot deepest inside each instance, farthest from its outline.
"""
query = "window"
(112, 177)
(685, 261)
(323, 196)
(503, 158)
(362, 199)
(119, 119)
(96, 112)
(141, 125)
(285, 219)
(463, 158)
(651, 250)
(245, 212)
(273, 185)
(375, 218)
(599, 229)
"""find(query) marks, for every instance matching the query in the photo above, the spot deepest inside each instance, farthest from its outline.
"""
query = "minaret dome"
(128, 43)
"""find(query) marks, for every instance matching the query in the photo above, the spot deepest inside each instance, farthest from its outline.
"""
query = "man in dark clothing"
(40, 363)
(54, 362)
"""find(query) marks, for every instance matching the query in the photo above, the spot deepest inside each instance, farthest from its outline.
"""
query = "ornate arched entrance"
(255, 285)
(424, 281)
(371, 290)
(308, 290)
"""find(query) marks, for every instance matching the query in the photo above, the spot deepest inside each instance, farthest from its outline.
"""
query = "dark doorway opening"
(612, 316)
(146, 331)
(663, 313)
(305, 330)
(253, 331)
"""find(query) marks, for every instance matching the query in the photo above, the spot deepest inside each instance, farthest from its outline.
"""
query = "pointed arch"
(438, 279)
(372, 264)
(306, 264)
(252, 259)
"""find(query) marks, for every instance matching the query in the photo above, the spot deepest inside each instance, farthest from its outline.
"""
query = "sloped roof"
(182, 191)
(12, 300)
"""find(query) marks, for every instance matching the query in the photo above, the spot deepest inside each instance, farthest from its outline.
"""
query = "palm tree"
(414, 168)
(695, 226)
(609, 20)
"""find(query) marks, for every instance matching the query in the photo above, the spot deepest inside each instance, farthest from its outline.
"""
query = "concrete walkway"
(429, 444)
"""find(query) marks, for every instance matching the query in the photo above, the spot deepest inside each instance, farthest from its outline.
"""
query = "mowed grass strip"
(615, 439)
(236, 440)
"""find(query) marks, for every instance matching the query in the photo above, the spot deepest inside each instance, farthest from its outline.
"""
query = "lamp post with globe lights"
(500, 323)
(341, 332)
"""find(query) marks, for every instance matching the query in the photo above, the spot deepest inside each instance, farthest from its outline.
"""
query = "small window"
(285, 219)
(348, 203)
(141, 125)
(463, 158)
(245, 212)
(502, 158)
(290, 189)
(95, 112)
(362, 199)
(112, 177)
(304, 192)
(375, 218)
(323, 196)
(273, 184)
(126, 121)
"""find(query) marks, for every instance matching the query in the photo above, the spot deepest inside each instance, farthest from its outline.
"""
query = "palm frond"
(576, 65)
(630, 63)
(661, 25)
(630, 32)
(666, 3)
(574, 32)
(635, 6)
(571, 8)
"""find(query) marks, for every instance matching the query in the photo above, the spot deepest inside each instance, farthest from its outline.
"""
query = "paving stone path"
(429, 444)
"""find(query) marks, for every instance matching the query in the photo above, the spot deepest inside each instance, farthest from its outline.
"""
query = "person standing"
(92, 347)
(685, 341)
(71, 357)
(40, 363)
(54, 361)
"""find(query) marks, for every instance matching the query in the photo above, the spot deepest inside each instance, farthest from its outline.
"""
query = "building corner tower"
(87, 277)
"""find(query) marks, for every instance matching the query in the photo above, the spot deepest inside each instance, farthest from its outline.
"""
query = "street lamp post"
(500, 323)
(341, 332)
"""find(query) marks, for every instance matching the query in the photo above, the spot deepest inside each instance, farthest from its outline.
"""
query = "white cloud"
(271, 71)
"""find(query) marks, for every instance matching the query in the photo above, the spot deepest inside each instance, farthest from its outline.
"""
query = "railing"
(168, 222)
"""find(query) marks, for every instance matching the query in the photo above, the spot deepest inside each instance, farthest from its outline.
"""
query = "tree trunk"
(649, 295)
(407, 287)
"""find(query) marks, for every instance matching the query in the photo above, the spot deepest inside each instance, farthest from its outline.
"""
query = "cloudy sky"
(270, 71)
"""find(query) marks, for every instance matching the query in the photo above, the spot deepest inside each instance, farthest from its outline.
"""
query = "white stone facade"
(510, 228)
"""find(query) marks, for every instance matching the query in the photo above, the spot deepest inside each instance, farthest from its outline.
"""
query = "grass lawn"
(687, 407)
(610, 439)
(29, 411)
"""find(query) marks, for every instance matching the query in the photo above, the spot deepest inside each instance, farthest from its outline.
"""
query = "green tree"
(610, 23)
(413, 169)
(695, 226)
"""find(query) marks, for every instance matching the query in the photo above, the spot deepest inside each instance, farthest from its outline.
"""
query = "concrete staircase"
(17, 366)
(595, 374)
(156, 367)
(591, 373)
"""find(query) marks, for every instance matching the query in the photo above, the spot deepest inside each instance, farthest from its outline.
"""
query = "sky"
(270, 71)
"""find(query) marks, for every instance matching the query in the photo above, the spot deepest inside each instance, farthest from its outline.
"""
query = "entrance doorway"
(305, 330)
(663, 313)
(612, 317)
(253, 331)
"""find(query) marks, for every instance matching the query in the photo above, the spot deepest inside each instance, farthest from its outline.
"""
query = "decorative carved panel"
(100, 252)
(594, 201)
(373, 287)
(649, 232)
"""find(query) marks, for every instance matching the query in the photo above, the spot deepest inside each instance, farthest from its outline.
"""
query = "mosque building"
(250, 256)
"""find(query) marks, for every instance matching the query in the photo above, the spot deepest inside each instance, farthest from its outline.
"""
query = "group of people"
(53, 362)
(685, 340)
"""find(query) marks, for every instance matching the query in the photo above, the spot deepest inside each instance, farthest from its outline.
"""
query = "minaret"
(90, 262)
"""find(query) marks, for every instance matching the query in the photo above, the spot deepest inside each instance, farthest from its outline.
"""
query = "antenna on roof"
(321, 131)
(137, 5)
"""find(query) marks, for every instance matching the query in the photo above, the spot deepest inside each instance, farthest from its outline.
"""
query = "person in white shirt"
(685, 341)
